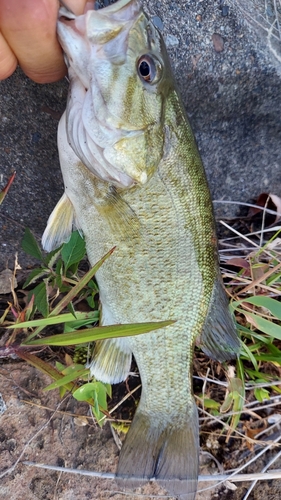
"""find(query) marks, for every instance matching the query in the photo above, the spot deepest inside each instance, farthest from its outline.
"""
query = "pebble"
(171, 41)
(158, 22)
(3, 406)
(224, 10)
(273, 419)
(218, 42)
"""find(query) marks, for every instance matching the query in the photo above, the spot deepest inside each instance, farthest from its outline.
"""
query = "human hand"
(28, 38)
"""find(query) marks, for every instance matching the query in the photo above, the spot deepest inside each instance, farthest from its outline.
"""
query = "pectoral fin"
(59, 226)
(219, 338)
(120, 217)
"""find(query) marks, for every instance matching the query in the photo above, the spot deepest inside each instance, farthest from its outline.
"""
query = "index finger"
(8, 60)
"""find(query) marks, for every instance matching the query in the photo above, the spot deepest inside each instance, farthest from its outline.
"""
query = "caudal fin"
(168, 453)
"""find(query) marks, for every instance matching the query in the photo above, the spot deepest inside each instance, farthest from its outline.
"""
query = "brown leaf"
(270, 201)
(252, 429)
(238, 262)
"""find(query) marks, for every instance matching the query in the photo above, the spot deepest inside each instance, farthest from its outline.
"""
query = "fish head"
(119, 76)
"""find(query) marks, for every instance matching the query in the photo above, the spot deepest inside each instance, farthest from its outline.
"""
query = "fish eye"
(149, 68)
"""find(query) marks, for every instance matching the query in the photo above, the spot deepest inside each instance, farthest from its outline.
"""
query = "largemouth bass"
(134, 179)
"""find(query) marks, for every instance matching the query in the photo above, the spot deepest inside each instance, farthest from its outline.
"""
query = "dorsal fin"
(219, 338)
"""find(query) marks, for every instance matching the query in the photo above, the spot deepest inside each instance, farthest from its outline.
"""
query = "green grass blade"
(268, 358)
(99, 333)
(248, 354)
(67, 378)
(55, 320)
(274, 306)
(80, 285)
(250, 334)
(263, 324)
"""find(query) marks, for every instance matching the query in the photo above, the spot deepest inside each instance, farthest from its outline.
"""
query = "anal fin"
(59, 225)
(219, 338)
(111, 360)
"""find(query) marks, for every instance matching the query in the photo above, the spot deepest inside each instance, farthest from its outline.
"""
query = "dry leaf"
(238, 262)
(271, 202)
(7, 281)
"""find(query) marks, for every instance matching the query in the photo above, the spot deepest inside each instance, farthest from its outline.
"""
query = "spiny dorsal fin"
(59, 225)
(219, 338)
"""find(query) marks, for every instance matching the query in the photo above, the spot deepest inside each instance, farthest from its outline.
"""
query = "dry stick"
(218, 382)
(233, 249)
(269, 429)
(139, 495)
(122, 401)
(269, 36)
(277, 18)
(204, 478)
(244, 237)
(263, 221)
(249, 387)
(264, 276)
(56, 487)
(261, 278)
(266, 210)
(253, 283)
(253, 233)
(224, 424)
(74, 415)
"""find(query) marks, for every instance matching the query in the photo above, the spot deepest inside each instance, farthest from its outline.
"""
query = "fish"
(134, 180)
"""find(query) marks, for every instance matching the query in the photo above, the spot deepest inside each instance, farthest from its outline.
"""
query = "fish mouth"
(97, 27)
(104, 20)
(114, 7)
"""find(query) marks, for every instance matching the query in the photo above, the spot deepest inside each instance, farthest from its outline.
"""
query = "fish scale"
(145, 192)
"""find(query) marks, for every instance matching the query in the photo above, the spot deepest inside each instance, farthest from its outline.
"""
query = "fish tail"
(169, 453)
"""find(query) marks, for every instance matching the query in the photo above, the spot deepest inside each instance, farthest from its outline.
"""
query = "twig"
(251, 205)
(277, 18)
(204, 478)
(263, 221)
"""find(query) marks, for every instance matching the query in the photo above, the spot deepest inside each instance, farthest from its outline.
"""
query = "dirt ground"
(37, 426)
